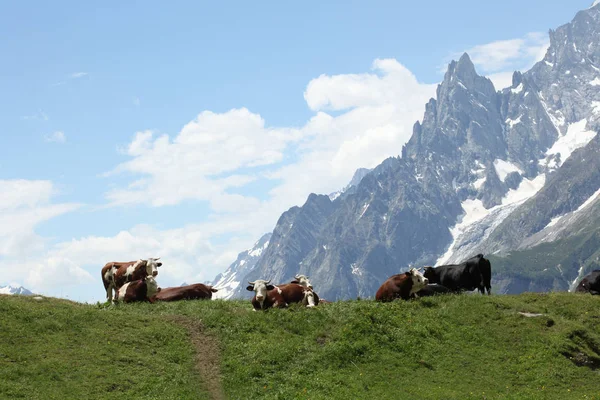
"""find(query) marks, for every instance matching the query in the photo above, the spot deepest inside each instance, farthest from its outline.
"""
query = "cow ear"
(407, 273)
(270, 287)
(250, 288)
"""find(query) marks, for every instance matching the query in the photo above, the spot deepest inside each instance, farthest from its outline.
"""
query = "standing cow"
(474, 273)
(590, 283)
(188, 292)
(116, 274)
(401, 286)
(139, 290)
(280, 296)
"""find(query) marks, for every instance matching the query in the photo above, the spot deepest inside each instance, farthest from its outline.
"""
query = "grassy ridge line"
(448, 347)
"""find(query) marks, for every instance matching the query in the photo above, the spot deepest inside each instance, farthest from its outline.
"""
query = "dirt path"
(207, 355)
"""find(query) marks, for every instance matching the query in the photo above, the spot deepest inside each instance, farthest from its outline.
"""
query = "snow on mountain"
(228, 281)
(15, 290)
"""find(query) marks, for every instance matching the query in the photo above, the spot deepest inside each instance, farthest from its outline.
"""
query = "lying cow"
(431, 290)
(303, 280)
(139, 290)
(590, 283)
(189, 292)
(116, 274)
(401, 286)
(280, 296)
(474, 273)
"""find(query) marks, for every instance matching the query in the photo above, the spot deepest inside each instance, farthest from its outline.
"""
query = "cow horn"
(269, 281)
(251, 283)
(156, 259)
(296, 277)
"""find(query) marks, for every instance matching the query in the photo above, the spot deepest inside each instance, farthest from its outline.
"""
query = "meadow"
(442, 347)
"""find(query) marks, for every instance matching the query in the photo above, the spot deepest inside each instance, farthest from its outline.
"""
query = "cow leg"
(109, 293)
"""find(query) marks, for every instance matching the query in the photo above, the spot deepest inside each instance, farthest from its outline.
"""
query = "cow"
(474, 273)
(189, 292)
(139, 290)
(280, 296)
(303, 280)
(401, 286)
(590, 283)
(116, 274)
(431, 290)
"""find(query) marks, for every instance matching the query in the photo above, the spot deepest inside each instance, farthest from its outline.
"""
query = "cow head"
(260, 287)
(418, 280)
(309, 298)
(152, 265)
(429, 273)
(302, 280)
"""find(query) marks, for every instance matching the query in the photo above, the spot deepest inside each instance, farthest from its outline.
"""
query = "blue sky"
(141, 129)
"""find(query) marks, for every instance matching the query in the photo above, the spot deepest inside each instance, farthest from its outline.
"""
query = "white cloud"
(76, 75)
(39, 116)
(56, 137)
(215, 154)
(23, 205)
(499, 59)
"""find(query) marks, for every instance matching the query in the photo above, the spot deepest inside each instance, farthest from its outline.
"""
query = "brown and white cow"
(401, 286)
(139, 290)
(189, 292)
(115, 274)
(280, 296)
(303, 280)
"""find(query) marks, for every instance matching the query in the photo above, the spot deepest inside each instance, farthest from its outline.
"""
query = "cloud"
(25, 204)
(77, 75)
(56, 137)
(499, 59)
(218, 157)
(39, 116)
(136, 101)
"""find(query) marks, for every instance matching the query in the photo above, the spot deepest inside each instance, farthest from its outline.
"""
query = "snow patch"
(474, 211)
(518, 89)
(577, 136)
(549, 63)
(596, 107)
(356, 270)
(478, 183)
(503, 168)
(513, 122)
(365, 208)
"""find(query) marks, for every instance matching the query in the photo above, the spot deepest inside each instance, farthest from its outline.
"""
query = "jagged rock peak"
(463, 70)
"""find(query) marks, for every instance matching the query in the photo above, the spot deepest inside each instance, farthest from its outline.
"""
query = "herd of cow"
(135, 281)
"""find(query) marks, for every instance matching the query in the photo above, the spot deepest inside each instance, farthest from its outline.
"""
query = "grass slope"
(448, 347)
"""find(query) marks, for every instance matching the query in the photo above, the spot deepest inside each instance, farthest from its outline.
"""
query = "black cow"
(474, 273)
(590, 283)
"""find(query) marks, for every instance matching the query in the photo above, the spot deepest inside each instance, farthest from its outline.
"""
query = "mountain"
(513, 174)
(356, 178)
(229, 281)
(15, 290)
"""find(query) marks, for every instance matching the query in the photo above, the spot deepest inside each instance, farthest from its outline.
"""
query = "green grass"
(447, 347)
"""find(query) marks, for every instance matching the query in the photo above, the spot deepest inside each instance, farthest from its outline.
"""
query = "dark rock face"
(474, 145)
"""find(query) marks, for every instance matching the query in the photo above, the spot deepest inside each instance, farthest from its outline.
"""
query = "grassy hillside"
(448, 347)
